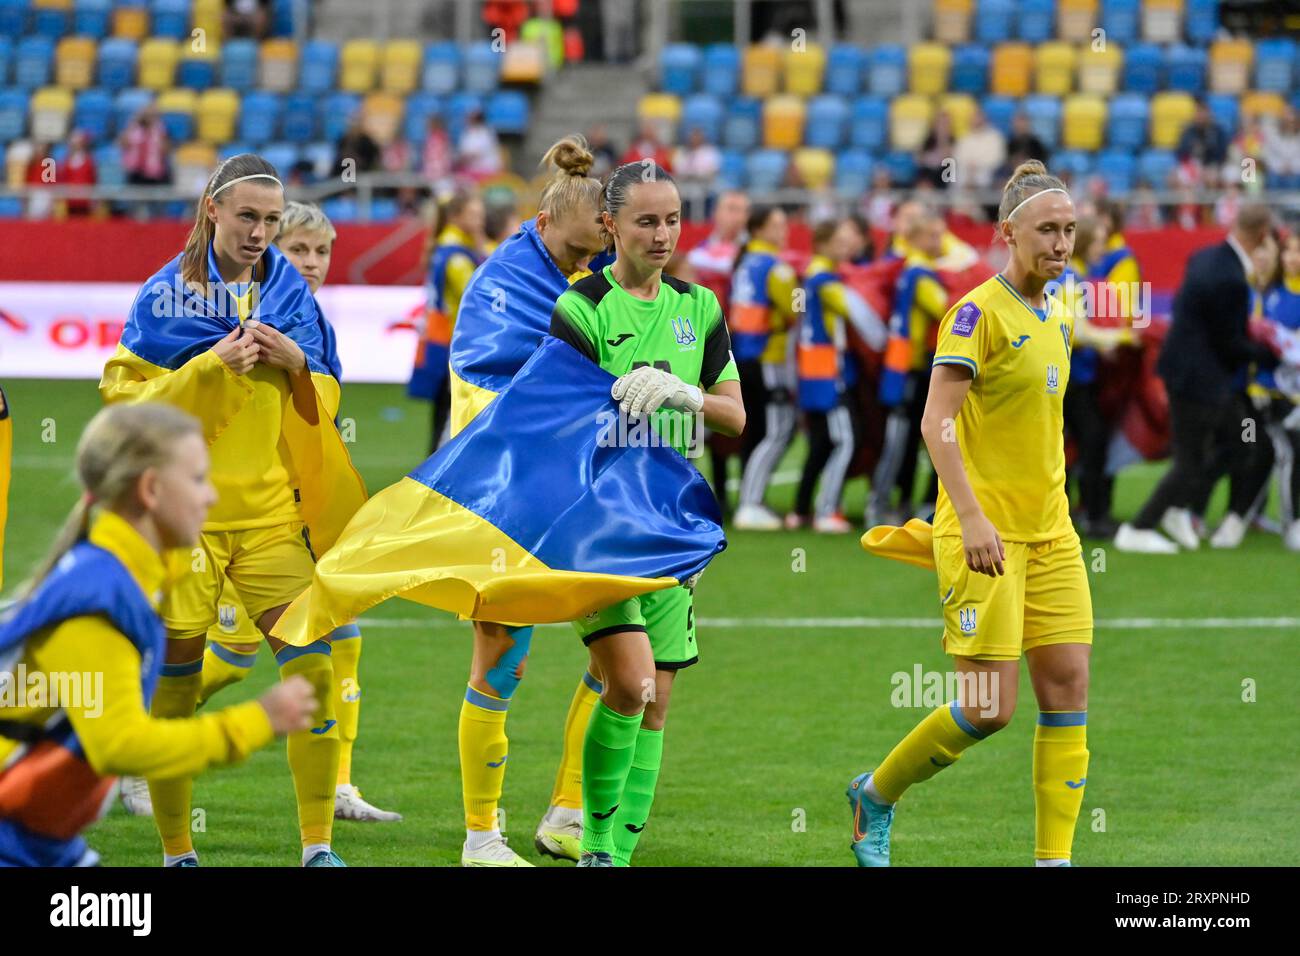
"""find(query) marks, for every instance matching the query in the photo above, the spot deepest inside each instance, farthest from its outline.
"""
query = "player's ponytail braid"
(194, 260)
(1029, 177)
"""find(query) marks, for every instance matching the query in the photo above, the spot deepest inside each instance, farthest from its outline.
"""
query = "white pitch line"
(905, 623)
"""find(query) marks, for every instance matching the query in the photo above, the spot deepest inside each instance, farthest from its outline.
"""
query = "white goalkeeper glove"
(644, 390)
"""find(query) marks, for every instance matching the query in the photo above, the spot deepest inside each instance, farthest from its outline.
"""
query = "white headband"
(260, 176)
(1041, 192)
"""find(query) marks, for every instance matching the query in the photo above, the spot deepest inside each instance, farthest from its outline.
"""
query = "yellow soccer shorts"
(268, 567)
(1043, 598)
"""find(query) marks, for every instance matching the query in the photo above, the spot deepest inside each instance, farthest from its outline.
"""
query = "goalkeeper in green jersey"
(666, 342)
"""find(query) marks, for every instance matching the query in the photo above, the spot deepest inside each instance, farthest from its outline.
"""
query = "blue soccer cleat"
(599, 858)
(871, 823)
(325, 858)
(184, 862)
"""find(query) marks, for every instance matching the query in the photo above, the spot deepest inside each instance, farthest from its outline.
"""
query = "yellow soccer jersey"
(1010, 426)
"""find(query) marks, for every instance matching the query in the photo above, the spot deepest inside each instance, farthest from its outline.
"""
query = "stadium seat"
(170, 19)
(928, 68)
(1171, 110)
(804, 69)
(1076, 20)
(335, 111)
(51, 113)
(176, 107)
(282, 13)
(970, 70)
(1117, 168)
(218, 111)
(279, 66)
(108, 165)
(32, 60)
(869, 124)
(1154, 167)
(1099, 69)
(298, 121)
(14, 15)
(844, 68)
(994, 21)
(853, 170)
(381, 114)
(680, 67)
(1083, 121)
(760, 73)
(341, 209)
(783, 121)
(320, 66)
(74, 63)
(1035, 20)
(1142, 68)
(1202, 20)
(1044, 113)
(1162, 20)
(1226, 111)
(459, 107)
(197, 71)
(886, 70)
(359, 63)
(1054, 65)
(50, 20)
(440, 72)
(233, 148)
(93, 113)
(952, 21)
(419, 107)
(816, 166)
(721, 70)
(192, 163)
(827, 121)
(259, 117)
(664, 108)
(127, 103)
(131, 23)
(1274, 64)
(1075, 164)
(506, 111)
(13, 115)
(740, 130)
(1011, 67)
(384, 209)
(1260, 103)
(1230, 65)
(705, 113)
(482, 68)
(901, 167)
(206, 15)
(239, 64)
(6, 60)
(731, 175)
(321, 156)
(909, 121)
(960, 107)
(1119, 18)
(1185, 69)
(523, 63)
(765, 169)
(116, 64)
(1129, 119)
(158, 58)
(1000, 111)
(401, 66)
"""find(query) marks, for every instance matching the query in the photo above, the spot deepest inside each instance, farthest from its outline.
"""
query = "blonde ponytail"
(570, 190)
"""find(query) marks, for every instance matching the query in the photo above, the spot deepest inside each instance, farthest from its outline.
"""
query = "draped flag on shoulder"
(541, 510)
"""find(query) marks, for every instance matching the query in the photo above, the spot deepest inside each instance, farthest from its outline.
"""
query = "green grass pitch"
(768, 729)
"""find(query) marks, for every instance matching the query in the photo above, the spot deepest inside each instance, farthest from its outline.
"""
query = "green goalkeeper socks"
(607, 753)
(638, 794)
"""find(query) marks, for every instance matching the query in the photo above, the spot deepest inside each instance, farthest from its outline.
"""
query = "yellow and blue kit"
(453, 263)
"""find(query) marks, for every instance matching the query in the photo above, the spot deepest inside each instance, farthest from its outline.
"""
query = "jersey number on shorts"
(662, 364)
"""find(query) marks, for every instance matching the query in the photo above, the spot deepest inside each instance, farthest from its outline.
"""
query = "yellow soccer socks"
(936, 742)
(1060, 773)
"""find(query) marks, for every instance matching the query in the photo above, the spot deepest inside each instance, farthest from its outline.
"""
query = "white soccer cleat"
(135, 796)
(1177, 523)
(495, 852)
(1292, 537)
(349, 805)
(1143, 541)
(559, 835)
(755, 518)
(1231, 532)
(831, 524)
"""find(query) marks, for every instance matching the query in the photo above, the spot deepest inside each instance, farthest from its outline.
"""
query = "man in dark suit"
(1203, 364)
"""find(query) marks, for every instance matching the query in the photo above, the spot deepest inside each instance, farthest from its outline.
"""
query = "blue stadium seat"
(731, 175)
(14, 16)
(239, 64)
(108, 165)
(1185, 69)
(1201, 20)
(1044, 114)
(321, 157)
(59, 153)
(459, 106)
(721, 70)
(1118, 168)
(32, 62)
(259, 117)
(117, 63)
(335, 111)
(127, 103)
(170, 18)
(506, 111)
(341, 209)
(704, 112)
(1127, 121)
(419, 107)
(49, 22)
(1224, 108)
(233, 148)
(440, 71)
(13, 115)
(179, 126)
(994, 20)
(1155, 165)
(740, 130)
(765, 169)
(1295, 101)
(90, 18)
(482, 68)
(93, 113)
(299, 122)
(1075, 162)
(320, 66)
(196, 74)
(1142, 63)
(901, 168)
(1274, 61)
(853, 171)
(1000, 111)
(970, 70)
(680, 65)
(282, 156)
(826, 123)
(384, 209)
(887, 70)
(11, 207)
(282, 18)
(1119, 18)
(1036, 20)
(6, 60)
(844, 66)
(869, 125)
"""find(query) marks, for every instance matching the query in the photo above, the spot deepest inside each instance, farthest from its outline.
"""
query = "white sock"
(1055, 861)
(476, 840)
(562, 816)
(873, 793)
(312, 849)
(169, 860)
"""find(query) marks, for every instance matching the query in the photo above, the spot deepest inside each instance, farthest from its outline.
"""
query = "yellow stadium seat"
(960, 107)
(381, 114)
(1162, 21)
(359, 61)
(523, 63)
(1083, 121)
(952, 21)
(157, 64)
(52, 4)
(217, 112)
(909, 121)
(1075, 20)
(401, 72)
(51, 109)
(928, 66)
(1259, 103)
(1099, 69)
(816, 166)
(1170, 112)
(760, 70)
(74, 62)
(192, 164)
(783, 119)
(131, 23)
(278, 66)
(1010, 69)
(17, 157)
(177, 101)
(804, 69)
(1230, 62)
(1054, 68)
(205, 15)
(660, 106)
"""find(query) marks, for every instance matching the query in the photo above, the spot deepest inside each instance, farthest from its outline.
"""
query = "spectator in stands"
(1204, 144)
(78, 169)
(603, 151)
(878, 205)
(40, 171)
(980, 153)
(1247, 163)
(1282, 147)
(935, 161)
(1144, 211)
(695, 167)
(1024, 144)
(246, 18)
(357, 153)
(649, 145)
(145, 148)
(436, 159)
(1228, 205)
(478, 152)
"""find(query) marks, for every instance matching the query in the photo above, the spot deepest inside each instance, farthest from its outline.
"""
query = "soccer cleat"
(871, 823)
(756, 518)
(325, 858)
(1177, 523)
(599, 858)
(1143, 541)
(185, 861)
(349, 805)
(1231, 532)
(135, 796)
(831, 524)
(1292, 537)
(495, 853)
(559, 835)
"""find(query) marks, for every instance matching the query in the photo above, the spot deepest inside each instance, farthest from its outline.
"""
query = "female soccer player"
(1282, 309)
(1010, 566)
(229, 331)
(91, 612)
(666, 342)
(503, 315)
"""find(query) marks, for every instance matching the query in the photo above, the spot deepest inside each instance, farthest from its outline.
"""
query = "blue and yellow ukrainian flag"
(536, 512)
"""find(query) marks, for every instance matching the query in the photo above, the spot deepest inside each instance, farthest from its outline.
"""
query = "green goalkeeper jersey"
(681, 331)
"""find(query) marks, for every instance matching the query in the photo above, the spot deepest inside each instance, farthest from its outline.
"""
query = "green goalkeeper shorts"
(667, 617)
